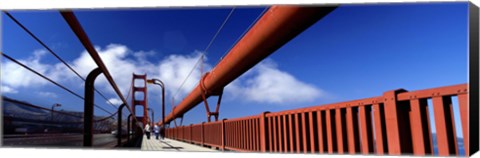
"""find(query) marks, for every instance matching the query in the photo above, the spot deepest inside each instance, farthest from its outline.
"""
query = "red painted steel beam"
(275, 28)
(82, 36)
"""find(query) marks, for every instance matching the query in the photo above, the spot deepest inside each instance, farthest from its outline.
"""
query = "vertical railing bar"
(285, 131)
(463, 106)
(338, 123)
(297, 131)
(320, 127)
(312, 132)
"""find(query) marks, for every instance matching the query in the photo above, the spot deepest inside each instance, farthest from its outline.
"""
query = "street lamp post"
(153, 116)
(53, 106)
(160, 83)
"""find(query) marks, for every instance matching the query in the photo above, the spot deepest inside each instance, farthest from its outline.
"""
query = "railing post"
(392, 121)
(263, 131)
(203, 133)
(119, 125)
(445, 125)
(191, 131)
(223, 134)
(88, 107)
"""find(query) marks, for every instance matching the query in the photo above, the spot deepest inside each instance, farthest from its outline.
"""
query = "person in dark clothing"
(162, 132)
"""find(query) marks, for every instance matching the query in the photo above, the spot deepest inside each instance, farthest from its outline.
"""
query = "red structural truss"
(141, 101)
(395, 123)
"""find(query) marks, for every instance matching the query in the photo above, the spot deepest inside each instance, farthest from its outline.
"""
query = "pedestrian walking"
(156, 130)
(147, 130)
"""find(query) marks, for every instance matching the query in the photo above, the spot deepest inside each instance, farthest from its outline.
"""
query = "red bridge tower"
(140, 101)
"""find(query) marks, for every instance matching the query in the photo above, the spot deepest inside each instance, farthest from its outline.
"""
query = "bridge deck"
(170, 145)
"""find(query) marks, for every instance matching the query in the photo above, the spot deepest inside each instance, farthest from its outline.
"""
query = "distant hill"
(24, 117)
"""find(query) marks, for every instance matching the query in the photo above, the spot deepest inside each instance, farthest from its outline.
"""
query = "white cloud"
(115, 101)
(47, 94)
(172, 70)
(265, 83)
(15, 76)
(6, 89)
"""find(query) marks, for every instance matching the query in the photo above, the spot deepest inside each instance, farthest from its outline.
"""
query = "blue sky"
(355, 52)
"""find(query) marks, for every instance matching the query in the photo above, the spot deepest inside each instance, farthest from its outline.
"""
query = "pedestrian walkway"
(170, 145)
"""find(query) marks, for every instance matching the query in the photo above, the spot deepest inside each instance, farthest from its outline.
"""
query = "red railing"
(396, 123)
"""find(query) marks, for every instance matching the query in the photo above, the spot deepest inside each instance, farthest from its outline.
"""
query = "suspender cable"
(201, 60)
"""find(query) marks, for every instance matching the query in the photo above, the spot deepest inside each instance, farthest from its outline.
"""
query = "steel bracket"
(206, 93)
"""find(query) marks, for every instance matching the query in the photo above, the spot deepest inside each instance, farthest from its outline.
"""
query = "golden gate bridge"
(393, 123)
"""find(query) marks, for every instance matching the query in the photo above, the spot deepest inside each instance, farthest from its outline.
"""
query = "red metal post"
(463, 103)
(297, 131)
(263, 132)
(420, 132)
(391, 121)
(280, 133)
(242, 135)
(249, 134)
(254, 132)
(274, 123)
(312, 132)
(445, 126)
(366, 130)
(223, 134)
(329, 131)
(304, 132)
(285, 136)
(356, 128)
(320, 127)
(203, 133)
(380, 129)
(338, 123)
(270, 134)
(350, 134)
(290, 128)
